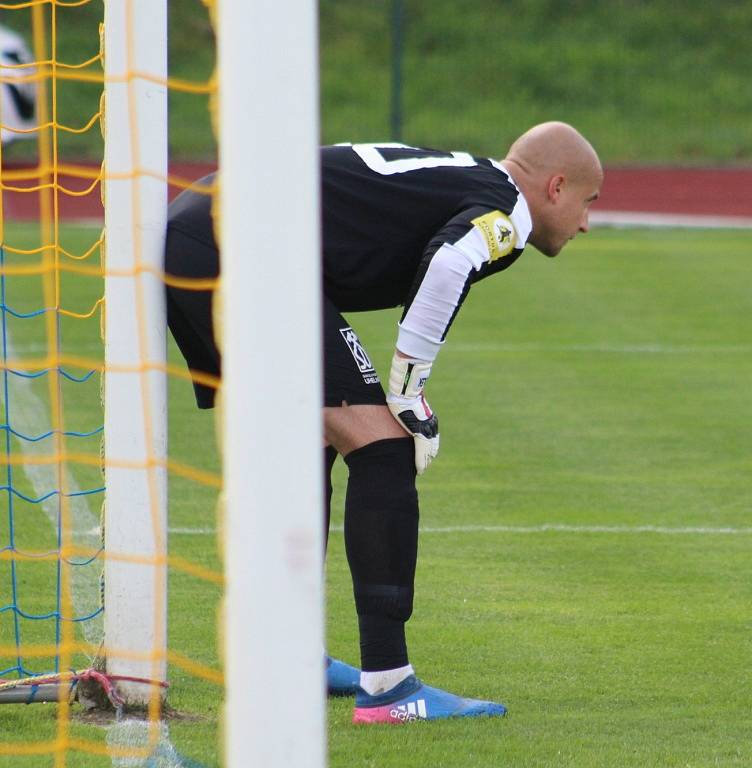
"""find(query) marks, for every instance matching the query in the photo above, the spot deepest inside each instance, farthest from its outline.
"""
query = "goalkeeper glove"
(408, 405)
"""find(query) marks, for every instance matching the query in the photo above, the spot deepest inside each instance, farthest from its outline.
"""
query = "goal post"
(269, 234)
(135, 624)
(269, 231)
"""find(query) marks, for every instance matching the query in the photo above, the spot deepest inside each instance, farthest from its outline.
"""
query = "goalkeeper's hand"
(408, 405)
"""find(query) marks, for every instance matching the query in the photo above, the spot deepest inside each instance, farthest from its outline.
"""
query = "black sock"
(382, 643)
(330, 455)
(381, 539)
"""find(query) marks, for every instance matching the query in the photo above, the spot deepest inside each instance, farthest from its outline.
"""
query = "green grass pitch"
(605, 392)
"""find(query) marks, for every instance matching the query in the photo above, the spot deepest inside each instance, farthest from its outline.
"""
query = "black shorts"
(189, 312)
(349, 375)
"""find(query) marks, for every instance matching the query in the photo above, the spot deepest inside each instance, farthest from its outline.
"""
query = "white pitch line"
(617, 349)
(178, 531)
(614, 529)
(648, 348)
(543, 528)
(192, 531)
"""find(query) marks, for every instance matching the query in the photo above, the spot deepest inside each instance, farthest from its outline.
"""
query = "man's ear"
(555, 186)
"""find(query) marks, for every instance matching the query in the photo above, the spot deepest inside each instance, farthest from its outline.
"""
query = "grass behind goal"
(605, 392)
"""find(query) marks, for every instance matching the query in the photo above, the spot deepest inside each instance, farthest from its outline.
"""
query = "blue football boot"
(341, 678)
(411, 700)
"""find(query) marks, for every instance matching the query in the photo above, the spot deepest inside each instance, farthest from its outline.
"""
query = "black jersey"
(190, 213)
(385, 206)
(415, 227)
(406, 226)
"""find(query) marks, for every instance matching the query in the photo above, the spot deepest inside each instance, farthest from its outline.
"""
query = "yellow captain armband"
(498, 232)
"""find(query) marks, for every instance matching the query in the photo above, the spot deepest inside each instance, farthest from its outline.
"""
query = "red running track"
(708, 191)
(24, 206)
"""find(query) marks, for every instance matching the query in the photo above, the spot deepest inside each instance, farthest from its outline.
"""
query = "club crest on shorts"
(365, 366)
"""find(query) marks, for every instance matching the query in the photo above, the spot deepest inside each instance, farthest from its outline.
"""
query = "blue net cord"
(12, 494)
(23, 315)
(36, 439)
(61, 371)
(50, 494)
(52, 615)
(9, 467)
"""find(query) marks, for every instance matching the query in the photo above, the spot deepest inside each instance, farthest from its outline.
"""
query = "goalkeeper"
(411, 227)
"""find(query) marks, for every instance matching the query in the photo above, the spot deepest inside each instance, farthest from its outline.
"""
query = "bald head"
(559, 174)
(551, 148)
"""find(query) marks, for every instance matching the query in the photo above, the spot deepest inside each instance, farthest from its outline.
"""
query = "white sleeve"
(422, 328)
(487, 238)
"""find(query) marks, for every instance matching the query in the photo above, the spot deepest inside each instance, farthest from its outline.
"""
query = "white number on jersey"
(370, 154)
